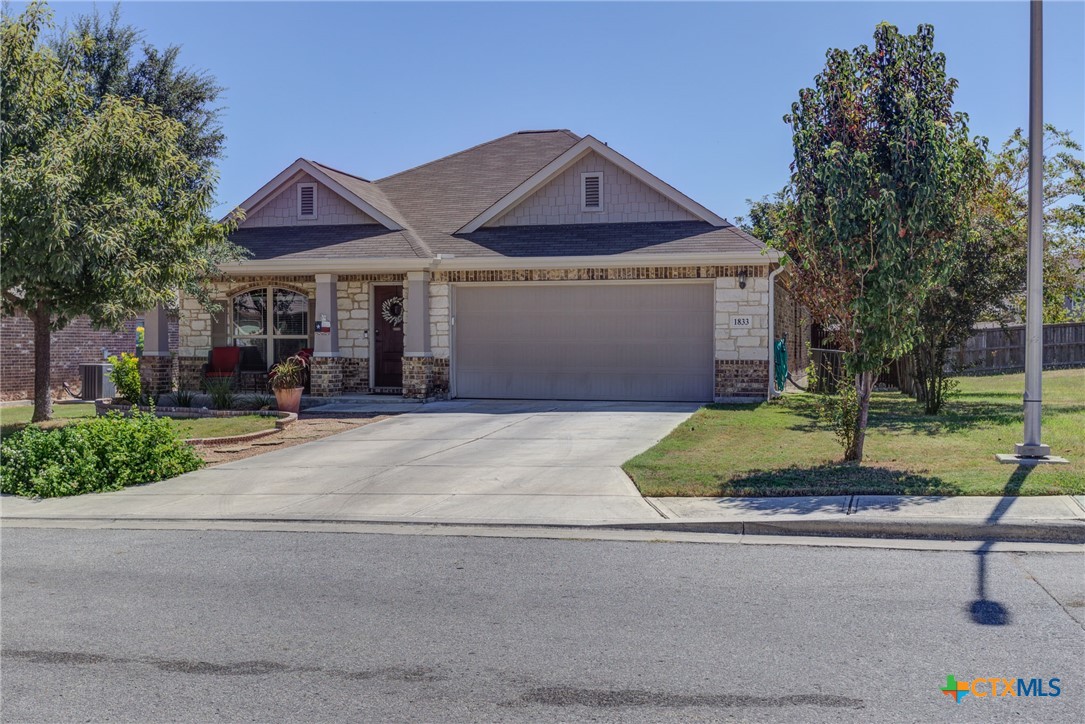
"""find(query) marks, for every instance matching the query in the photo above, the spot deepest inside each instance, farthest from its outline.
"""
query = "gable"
(282, 208)
(625, 199)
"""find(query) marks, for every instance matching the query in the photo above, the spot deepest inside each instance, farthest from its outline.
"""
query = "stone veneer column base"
(190, 373)
(355, 375)
(742, 378)
(425, 378)
(326, 376)
(156, 374)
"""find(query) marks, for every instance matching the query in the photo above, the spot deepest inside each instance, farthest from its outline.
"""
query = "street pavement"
(159, 625)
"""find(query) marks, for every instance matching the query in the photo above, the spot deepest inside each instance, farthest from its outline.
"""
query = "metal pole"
(1034, 331)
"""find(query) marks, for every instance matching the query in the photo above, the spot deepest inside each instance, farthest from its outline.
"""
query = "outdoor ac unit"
(96, 382)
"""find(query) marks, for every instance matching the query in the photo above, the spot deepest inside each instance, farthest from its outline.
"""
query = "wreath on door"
(392, 311)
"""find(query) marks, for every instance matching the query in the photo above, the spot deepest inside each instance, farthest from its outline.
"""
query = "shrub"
(125, 376)
(103, 453)
(222, 393)
(183, 398)
(840, 413)
(262, 401)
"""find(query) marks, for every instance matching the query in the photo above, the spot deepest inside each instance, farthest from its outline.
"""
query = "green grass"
(780, 448)
(14, 418)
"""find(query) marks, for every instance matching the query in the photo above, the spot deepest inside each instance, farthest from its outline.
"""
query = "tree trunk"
(43, 393)
(864, 386)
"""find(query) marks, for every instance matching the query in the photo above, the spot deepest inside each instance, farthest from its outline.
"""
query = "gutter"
(772, 332)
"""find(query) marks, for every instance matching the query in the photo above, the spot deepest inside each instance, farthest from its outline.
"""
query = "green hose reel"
(779, 364)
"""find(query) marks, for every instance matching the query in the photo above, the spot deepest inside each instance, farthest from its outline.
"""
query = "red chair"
(223, 363)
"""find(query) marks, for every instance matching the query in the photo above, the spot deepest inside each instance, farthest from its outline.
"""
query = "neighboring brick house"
(78, 343)
(538, 265)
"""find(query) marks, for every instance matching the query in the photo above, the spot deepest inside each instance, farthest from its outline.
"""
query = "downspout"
(772, 331)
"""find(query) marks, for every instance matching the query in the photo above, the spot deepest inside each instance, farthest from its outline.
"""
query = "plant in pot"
(288, 381)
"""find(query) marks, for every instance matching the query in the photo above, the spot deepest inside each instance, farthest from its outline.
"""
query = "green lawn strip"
(188, 429)
(14, 418)
(782, 449)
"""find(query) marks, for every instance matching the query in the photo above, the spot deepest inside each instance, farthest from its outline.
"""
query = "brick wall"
(792, 319)
(625, 199)
(78, 343)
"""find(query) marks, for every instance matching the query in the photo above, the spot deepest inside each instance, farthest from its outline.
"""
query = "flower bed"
(285, 419)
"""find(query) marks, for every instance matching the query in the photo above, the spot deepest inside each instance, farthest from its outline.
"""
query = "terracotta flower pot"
(289, 400)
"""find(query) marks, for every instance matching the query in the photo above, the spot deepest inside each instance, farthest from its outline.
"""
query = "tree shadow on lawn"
(834, 479)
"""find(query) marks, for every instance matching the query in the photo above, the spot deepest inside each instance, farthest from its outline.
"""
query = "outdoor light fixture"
(742, 280)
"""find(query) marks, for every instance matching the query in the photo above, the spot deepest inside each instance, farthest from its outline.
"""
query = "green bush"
(125, 376)
(103, 453)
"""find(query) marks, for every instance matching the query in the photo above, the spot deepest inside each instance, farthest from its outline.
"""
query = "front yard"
(782, 449)
(15, 418)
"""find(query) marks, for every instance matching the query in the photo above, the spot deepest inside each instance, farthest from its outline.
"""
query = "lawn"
(13, 418)
(780, 448)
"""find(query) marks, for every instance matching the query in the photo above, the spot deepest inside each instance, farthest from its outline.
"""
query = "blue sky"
(694, 92)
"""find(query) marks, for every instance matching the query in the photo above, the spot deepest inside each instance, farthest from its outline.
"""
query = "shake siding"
(332, 209)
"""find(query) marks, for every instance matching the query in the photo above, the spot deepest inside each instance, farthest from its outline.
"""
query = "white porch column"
(416, 329)
(326, 344)
(156, 333)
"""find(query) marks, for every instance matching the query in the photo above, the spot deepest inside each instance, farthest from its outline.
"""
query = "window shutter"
(306, 201)
(219, 335)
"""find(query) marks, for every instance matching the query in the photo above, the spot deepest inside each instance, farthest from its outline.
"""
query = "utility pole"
(1032, 450)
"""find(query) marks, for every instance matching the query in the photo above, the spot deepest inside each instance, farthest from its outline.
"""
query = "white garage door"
(584, 341)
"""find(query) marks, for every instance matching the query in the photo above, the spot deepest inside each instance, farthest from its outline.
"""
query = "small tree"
(988, 278)
(882, 181)
(103, 213)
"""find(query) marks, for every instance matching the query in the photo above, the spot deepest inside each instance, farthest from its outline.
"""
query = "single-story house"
(539, 265)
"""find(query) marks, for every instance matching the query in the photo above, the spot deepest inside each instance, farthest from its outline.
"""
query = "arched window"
(276, 330)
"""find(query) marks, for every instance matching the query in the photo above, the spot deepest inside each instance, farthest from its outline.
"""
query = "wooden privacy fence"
(1003, 349)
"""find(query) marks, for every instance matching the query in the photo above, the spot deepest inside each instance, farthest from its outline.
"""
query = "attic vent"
(306, 201)
(591, 191)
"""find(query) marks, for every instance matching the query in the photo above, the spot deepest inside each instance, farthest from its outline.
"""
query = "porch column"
(156, 366)
(326, 371)
(417, 359)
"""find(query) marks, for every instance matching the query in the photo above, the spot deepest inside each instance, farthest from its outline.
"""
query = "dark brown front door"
(388, 331)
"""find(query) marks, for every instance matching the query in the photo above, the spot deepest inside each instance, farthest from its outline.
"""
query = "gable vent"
(592, 191)
(306, 201)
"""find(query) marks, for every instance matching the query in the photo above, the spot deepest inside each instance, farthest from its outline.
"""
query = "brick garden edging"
(284, 419)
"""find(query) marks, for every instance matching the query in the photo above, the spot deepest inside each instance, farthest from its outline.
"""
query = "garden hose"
(779, 361)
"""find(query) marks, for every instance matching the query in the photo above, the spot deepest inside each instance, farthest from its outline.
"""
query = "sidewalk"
(1052, 519)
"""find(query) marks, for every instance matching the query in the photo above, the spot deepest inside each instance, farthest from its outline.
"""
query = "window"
(591, 191)
(279, 329)
(306, 201)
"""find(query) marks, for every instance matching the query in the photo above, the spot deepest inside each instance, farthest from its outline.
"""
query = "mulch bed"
(306, 429)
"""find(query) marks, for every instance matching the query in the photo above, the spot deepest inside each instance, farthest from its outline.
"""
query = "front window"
(280, 328)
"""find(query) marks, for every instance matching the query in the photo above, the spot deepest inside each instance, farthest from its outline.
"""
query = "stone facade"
(282, 210)
(735, 307)
(624, 199)
(741, 379)
(326, 376)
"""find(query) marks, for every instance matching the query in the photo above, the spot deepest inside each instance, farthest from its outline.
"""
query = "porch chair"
(223, 363)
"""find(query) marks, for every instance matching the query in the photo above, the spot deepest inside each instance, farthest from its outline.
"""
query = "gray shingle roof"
(432, 201)
(324, 242)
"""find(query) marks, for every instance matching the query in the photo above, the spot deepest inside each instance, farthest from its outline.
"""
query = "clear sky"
(694, 92)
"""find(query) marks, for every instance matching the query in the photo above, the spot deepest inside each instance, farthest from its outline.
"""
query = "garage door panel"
(601, 341)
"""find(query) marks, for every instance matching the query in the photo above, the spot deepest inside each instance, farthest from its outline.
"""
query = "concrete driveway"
(458, 461)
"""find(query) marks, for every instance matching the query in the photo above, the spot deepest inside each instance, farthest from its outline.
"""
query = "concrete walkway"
(466, 461)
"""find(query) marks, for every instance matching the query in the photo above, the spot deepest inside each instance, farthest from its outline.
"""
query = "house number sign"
(741, 322)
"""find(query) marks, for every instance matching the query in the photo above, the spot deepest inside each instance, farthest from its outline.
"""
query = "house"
(539, 265)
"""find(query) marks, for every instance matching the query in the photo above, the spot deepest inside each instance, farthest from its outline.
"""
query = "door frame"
(452, 348)
(373, 312)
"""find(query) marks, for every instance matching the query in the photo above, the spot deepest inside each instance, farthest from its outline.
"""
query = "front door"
(388, 336)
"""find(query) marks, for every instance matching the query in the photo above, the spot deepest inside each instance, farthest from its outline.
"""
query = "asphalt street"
(157, 625)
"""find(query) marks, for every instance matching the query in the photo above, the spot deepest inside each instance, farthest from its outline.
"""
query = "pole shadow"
(983, 610)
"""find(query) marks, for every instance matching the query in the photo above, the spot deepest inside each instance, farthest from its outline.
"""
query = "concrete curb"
(1056, 531)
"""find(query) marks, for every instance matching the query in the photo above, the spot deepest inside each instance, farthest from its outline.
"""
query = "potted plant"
(288, 381)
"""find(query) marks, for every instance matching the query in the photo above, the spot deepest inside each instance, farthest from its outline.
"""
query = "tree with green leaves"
(104, 214)
(883, 181)
(988, 277)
